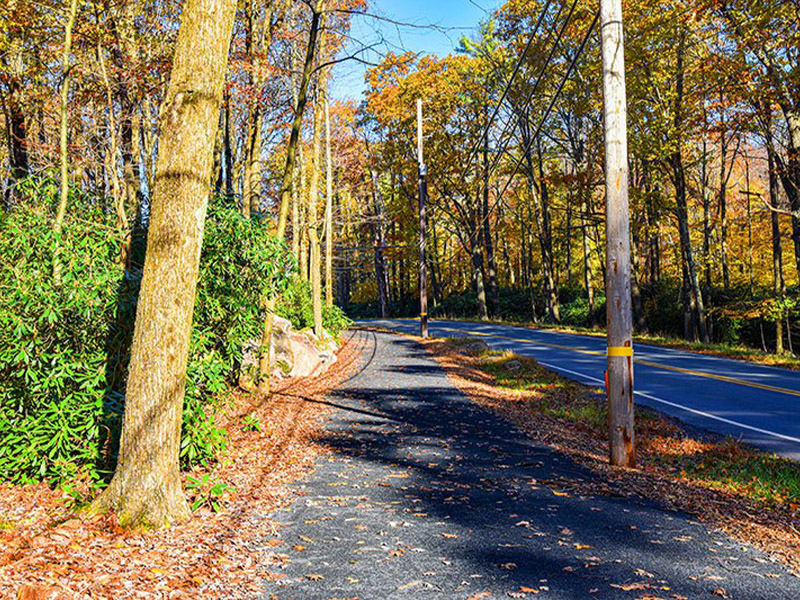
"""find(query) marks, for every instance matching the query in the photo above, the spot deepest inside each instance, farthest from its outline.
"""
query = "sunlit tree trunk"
(317, 22)
(313, 216)
(146, 487)
(62, 137)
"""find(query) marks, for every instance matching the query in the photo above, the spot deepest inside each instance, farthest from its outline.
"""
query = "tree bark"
(476, 257)
(313, 216)
(113, 175)
(297, 124)
(125, 57)
(679, 181)
(16, 123)
(146, 487)
(587, 266)
(227, 149)
(62, 138)
(317, 14)
(724, 175)
(778, 281)
(541, 203)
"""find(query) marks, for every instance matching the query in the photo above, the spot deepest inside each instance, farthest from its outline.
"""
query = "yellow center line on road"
(705, 374)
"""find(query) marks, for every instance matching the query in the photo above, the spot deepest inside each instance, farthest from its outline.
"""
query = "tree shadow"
(518, 512)
(118, 345)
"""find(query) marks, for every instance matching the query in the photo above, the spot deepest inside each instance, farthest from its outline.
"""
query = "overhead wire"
(518, 114)
(553, 99)
(514, 73)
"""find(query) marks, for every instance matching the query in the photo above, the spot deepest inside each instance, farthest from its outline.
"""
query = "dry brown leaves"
(769, 530)
(48, 552)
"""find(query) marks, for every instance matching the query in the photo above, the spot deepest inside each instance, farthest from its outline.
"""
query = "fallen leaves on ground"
(48, 551)
(536, 408)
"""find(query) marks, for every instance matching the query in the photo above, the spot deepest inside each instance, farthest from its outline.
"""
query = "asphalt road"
(426, 495)
(758, 404)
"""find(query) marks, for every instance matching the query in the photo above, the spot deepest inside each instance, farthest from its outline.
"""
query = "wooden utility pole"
(328, 209)
(618, 251)
(423, 196)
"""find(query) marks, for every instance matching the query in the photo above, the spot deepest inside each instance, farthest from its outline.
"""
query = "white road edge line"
(682, 407)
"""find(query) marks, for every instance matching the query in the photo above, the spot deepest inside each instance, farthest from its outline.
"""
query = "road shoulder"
(679, 466)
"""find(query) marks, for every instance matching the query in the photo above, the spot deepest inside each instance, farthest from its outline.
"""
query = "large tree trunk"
(705, 193)
(778, 281)
(790, 175)
(695, 295)
(724, 176)
(328, 209)
(317, 22)
(146, 487)
(476, 259)
(317, 15)
(545, 230)
(313, 216)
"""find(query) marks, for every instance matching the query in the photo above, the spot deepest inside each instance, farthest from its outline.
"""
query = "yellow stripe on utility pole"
(619, 351)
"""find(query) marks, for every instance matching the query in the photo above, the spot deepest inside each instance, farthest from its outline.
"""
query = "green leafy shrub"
(53, 355)
(63, 361)
(242, 263)
(296, 306)
(252, 423)
(207, 492)
(576, 313)
(334, 320)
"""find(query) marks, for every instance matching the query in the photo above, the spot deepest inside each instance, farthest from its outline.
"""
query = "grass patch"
(518, 373)
(732, 468)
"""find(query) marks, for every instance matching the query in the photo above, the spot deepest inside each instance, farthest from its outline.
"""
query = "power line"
(564, 79)
(518, 114)
(539, 78)
(692, 44)
(507, 87)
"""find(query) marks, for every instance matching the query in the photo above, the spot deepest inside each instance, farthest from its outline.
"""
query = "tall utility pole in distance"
(423, 197)
(618, 248)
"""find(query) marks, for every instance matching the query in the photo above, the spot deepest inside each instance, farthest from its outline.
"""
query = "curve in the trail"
(426, 495)
(756, 403)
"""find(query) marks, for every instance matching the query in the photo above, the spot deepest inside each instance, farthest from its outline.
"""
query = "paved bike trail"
(427, 495)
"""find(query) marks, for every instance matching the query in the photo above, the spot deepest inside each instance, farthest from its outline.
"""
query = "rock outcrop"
(292, 354)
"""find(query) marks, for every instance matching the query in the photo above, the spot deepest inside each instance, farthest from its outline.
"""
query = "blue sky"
(454, 17)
